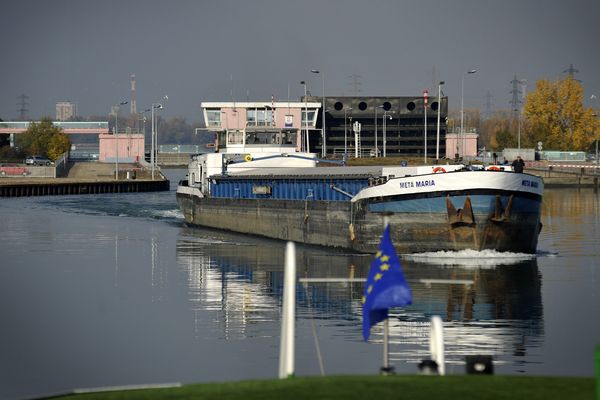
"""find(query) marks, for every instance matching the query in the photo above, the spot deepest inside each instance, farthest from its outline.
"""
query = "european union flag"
(385, 286)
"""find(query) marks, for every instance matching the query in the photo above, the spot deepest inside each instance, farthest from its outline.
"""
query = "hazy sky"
(193, 51)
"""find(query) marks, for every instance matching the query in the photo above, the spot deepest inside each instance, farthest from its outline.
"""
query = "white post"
(519, 132)
(384, 132)
(436, 343)
(152, 141)
(462, 111)
(425, 93)
(117, 137)
(376, 155)
(386, 325)
(437, 141)
(346, 132)
(286, 348)
(117, 143)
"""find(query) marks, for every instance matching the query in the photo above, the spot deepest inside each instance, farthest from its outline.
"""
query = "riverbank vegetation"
(44, 139)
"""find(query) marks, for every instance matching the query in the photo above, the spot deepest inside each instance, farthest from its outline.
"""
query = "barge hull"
(506, 222)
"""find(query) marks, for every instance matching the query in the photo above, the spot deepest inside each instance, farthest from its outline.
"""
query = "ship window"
(213, 117)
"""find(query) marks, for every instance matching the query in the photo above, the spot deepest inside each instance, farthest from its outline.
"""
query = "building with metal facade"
(404, 130)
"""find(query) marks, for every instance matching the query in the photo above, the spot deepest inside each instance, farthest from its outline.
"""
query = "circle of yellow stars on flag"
(382, 268)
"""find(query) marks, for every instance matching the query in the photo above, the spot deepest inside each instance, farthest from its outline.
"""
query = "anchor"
(462, 216)
(462, 223)
(500, 214)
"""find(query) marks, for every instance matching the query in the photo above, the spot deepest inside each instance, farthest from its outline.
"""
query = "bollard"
(480, 365)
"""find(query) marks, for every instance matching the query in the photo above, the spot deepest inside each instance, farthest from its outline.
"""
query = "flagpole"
(386, 369)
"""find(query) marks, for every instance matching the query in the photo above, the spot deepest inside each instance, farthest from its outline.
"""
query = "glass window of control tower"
(213, 117)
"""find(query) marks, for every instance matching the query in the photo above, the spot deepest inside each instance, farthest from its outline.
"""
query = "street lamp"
(324, 147)
(462, 108)
(117, 137)
(305, 119)
(594, 97)
(346, 132)
(376, 149)
(143, 119)
(437, 141)
(153, 153)
(384, 119)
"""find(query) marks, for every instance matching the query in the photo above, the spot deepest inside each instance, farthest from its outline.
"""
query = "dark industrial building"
(403, 118)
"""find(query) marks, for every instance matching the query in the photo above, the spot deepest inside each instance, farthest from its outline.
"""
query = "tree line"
(553, 113)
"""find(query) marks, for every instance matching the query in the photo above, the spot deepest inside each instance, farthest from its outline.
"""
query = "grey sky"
(193, 51)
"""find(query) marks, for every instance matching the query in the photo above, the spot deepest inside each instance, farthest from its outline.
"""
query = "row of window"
(260, 117)
(410, 106)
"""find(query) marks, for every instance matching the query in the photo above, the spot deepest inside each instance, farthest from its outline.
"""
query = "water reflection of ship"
(500, 314)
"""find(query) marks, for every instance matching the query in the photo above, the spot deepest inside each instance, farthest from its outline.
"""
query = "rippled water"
(116, 290)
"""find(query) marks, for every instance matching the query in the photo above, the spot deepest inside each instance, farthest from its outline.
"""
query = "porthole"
(387, 106)
(434, 106)
(338, 105)
(410, 106)
(362, 106)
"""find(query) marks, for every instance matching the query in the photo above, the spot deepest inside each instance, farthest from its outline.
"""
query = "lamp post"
(462, 108)
(346, 132)
(384, 119)
(305, 119)
(154, 150)
(376, 149)
(594, 97)
(155, 106)
(437, 140)
(425, 99)
(324, 147)
(117, 137)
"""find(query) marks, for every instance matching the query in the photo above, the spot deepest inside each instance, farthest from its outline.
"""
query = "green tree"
(505, 139)
(555, 115)
(45, 139)
(58, 145)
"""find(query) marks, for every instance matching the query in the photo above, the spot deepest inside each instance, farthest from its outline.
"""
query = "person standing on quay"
(518, 164)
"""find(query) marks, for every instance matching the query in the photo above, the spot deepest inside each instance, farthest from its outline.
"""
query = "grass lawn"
(459, 387)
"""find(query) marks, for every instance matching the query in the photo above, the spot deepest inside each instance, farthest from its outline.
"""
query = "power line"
(515, 102)
(355, 83)
(571, 71)
(488, 104)
(23, 109)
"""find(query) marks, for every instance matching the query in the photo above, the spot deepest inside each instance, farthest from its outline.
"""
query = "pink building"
(234, 121)
(464, 145)
(127, 148)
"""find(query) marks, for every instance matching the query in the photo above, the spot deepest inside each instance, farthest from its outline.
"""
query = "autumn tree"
(45, 139)
(555, 115)
(496, 132)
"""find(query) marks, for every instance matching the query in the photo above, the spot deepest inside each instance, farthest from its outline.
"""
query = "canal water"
(114, 289)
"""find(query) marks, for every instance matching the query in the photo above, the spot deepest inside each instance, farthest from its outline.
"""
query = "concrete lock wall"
(526, 154)
(41, 172)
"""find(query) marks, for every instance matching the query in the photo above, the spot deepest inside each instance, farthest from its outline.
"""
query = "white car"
(37, 160)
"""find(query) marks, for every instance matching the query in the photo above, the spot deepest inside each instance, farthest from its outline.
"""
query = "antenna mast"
(132, 102)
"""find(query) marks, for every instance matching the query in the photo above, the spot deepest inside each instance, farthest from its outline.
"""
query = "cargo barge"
(276, 192)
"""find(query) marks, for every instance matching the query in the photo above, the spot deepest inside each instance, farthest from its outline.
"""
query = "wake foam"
(483, 258)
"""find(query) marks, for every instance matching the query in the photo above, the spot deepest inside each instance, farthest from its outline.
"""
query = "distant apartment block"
(65, 111)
